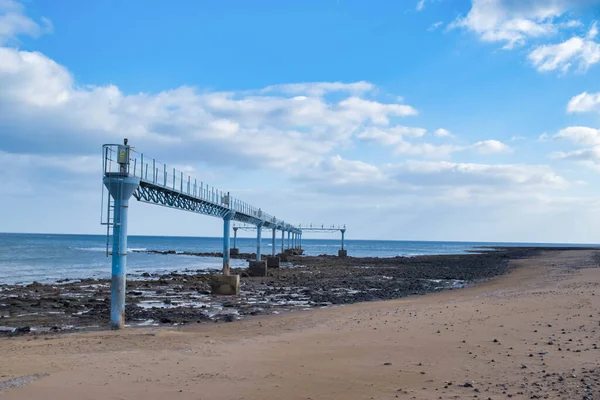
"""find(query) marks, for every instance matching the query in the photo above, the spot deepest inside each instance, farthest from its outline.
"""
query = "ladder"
(108, 218)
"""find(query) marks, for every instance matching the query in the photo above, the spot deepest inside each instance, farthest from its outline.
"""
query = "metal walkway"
(165, 186)
(127, 173)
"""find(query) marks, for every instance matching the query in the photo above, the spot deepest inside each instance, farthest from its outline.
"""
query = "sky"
(469, 120)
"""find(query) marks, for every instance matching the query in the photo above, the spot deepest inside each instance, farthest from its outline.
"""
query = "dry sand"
(533, 332)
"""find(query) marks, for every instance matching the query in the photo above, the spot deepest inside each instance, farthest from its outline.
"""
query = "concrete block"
(257, 268)
(342, 253)
(272, 262)
(234, 251)
(226, 285)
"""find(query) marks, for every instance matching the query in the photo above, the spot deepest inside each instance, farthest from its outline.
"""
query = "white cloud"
(584, 102)
(591, 154)
(320, 88)
(543, 137)
(580, 135)
(579, 52)
(390, 136)
(444, 151)
(45, 110)
(441, 132)
(449, 173)
(28, 162)
(490, 147)
(432, 178)
(14, 22)
(420, 5)
(426, 149)
(511, 22)
(434, 26)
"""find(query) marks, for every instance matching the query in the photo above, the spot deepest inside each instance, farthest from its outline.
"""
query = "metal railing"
(151, 171)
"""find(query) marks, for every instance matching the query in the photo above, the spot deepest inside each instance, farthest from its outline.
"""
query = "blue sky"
(434, 119)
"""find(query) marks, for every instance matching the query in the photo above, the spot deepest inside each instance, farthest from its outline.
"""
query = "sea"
(47, 258)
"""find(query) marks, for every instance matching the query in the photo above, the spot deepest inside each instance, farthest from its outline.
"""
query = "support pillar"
(235, 250)
(289, 240)
(226, 284)
(226, 240)
(258, 239)
(273, 261)
(121, 187)
(300, 241)
(258, 267)
(343, 252)
(282, 240)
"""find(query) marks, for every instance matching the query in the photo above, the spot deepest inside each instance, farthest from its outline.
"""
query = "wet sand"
(532, 333)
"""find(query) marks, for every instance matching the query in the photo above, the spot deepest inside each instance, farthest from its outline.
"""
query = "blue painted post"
(258, 239)
(120, 186)
(273, 244)
(289, 240)
(300, 241)
(343, 232)
(282, 240)
(235, 229)
(226, 240)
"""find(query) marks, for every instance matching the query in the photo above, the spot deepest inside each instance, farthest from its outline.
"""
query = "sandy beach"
(532, 333)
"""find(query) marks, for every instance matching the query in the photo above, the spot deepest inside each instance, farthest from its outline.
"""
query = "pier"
(128, 173)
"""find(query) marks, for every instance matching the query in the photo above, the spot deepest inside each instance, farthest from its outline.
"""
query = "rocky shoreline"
(302, 283)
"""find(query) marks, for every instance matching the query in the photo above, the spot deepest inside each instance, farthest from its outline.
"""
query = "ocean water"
(25, 258)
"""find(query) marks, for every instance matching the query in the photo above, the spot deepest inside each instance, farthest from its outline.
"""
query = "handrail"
(177, 181)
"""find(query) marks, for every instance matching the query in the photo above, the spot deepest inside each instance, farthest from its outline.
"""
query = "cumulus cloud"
(444, 151)
(489, 147)
(586, 137)
(584, 102)
(44, 109)
(441, 132)
(578, 52)
(338, 175)
(390, 136)
(451, 173)
(320, 88)
(14, 22)
(511, 22)
(580, 135)
(517, 22)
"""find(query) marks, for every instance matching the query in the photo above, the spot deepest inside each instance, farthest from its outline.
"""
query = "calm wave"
(25, 258)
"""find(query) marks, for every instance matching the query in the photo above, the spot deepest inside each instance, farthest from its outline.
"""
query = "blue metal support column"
(258, 239)
(273, 244)
(226, 240)
(235, 229)
(343, 232)
(289, 234)
(282, 241)
(300, 241)
(121, 188)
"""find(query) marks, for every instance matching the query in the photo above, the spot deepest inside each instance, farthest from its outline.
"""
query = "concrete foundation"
(226, 285)
(257, 268)
(234, 251)
(272, 262)
(342, 253)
